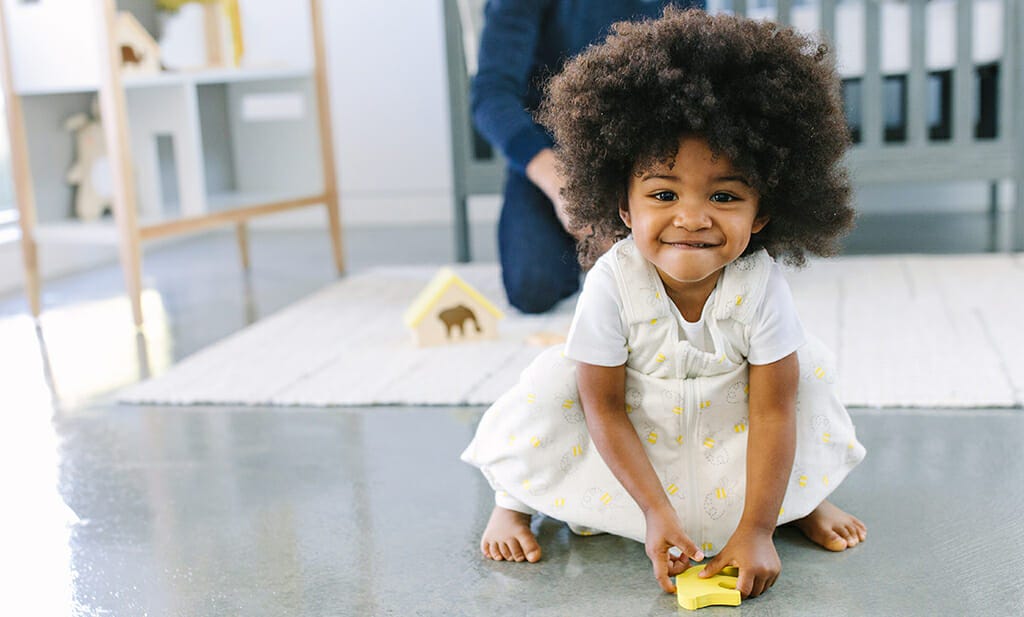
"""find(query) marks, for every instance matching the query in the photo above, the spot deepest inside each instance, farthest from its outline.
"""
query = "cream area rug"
(909, 331)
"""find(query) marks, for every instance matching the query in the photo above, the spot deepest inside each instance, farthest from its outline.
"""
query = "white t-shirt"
(599, 331)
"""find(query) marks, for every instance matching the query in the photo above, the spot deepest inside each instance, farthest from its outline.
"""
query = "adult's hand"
(543, 172)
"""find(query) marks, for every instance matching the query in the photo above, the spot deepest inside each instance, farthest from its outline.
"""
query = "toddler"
(688, 409)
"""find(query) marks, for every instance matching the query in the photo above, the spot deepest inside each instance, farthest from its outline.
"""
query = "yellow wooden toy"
(450, 310)
(694, 592)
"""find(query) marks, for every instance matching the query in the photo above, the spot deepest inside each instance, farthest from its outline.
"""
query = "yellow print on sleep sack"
(571, 459)
(722, 498)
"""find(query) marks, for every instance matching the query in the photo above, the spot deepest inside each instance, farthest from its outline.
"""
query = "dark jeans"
(538, 257)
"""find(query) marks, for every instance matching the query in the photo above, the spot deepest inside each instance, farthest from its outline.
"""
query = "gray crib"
(945, 106)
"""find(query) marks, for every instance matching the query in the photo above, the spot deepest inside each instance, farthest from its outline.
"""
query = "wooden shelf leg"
(323, 100)
(242, 232)
(24, 192)
(29, 255)
(113, 110)
(131, 265)
(334, 220)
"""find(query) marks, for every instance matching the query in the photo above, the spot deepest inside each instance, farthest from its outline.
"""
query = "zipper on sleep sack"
(689, 387)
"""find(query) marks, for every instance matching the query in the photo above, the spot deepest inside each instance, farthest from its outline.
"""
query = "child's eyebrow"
(658, 176)
(733, 178)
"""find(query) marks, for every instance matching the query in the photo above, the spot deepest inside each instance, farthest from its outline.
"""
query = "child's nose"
(691, 216)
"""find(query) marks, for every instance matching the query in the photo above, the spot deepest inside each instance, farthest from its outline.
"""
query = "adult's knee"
(537, 294)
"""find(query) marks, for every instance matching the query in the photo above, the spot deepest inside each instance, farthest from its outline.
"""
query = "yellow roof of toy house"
(444, 279)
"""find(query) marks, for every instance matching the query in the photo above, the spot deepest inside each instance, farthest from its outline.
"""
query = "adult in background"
(524, 42)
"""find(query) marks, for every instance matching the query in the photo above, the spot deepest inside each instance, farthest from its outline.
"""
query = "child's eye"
(664, 196)
(723, 197)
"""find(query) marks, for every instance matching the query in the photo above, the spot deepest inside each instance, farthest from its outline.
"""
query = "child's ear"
(624, 215)
(759, 223)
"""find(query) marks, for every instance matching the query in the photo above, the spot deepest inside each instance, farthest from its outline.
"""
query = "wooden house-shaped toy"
(140, 53)
(450, 310)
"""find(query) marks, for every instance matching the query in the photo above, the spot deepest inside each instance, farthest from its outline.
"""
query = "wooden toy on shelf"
(450, 310)
(90, 172)
(196, 34)
(140, 54)
(694, 592)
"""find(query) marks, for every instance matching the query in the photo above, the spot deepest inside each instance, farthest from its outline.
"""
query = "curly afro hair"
(764, 96)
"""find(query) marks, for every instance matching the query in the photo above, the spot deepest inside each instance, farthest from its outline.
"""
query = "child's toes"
(850, 535)
(531, 550)
(517, 550)
(834, 542)
(862, 530)
(496, 552)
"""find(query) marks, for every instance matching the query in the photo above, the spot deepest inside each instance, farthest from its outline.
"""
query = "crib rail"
(943, 131)
(919, 153)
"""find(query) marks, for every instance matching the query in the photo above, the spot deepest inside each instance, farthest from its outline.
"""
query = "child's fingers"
(759, 586)
(714, 566)
(677, 565)
(766, 584)
(745, 583)
(688, 548)
(660, 563)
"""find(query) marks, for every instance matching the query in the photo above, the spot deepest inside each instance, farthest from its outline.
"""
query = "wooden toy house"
(450, 310)
(140, 54)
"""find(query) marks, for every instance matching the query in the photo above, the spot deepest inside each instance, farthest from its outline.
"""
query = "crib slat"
(917, 80)
(827, 24)
(1015, 13)
(1007, 73)
(963, 74)
(871, 91)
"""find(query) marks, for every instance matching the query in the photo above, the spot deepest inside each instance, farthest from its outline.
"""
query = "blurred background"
(389, 73)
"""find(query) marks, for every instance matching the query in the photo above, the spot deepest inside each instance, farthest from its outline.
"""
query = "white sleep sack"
(689, 407)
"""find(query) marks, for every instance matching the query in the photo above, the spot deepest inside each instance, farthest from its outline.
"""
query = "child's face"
(691, 219)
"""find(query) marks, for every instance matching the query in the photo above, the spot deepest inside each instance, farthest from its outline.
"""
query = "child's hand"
(663, 533)
(753, 552)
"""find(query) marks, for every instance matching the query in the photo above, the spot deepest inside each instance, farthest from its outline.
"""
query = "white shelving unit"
(189, 150)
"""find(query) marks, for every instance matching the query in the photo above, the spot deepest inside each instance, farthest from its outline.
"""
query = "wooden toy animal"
(90, 172)
(458, 316)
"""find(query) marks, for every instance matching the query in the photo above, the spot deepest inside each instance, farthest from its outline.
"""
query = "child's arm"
(771, 446)
(603, 396)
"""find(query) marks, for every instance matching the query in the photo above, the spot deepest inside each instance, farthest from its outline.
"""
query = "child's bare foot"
(508, 537)
(832, 528)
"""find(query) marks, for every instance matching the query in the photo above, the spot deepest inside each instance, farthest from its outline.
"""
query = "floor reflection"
(35, 561)
(85, 351)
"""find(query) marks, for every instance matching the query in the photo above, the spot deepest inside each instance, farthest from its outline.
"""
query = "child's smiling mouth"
(691, 244)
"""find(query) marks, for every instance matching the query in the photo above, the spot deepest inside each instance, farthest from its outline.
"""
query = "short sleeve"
(776, 330)
(598, 334)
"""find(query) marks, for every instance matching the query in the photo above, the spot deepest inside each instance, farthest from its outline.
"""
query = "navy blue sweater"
(523, 43)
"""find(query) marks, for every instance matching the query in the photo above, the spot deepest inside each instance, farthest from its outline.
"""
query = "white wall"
(390, 102)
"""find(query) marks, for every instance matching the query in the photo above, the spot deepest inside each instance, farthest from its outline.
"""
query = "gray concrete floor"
(122, 510)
